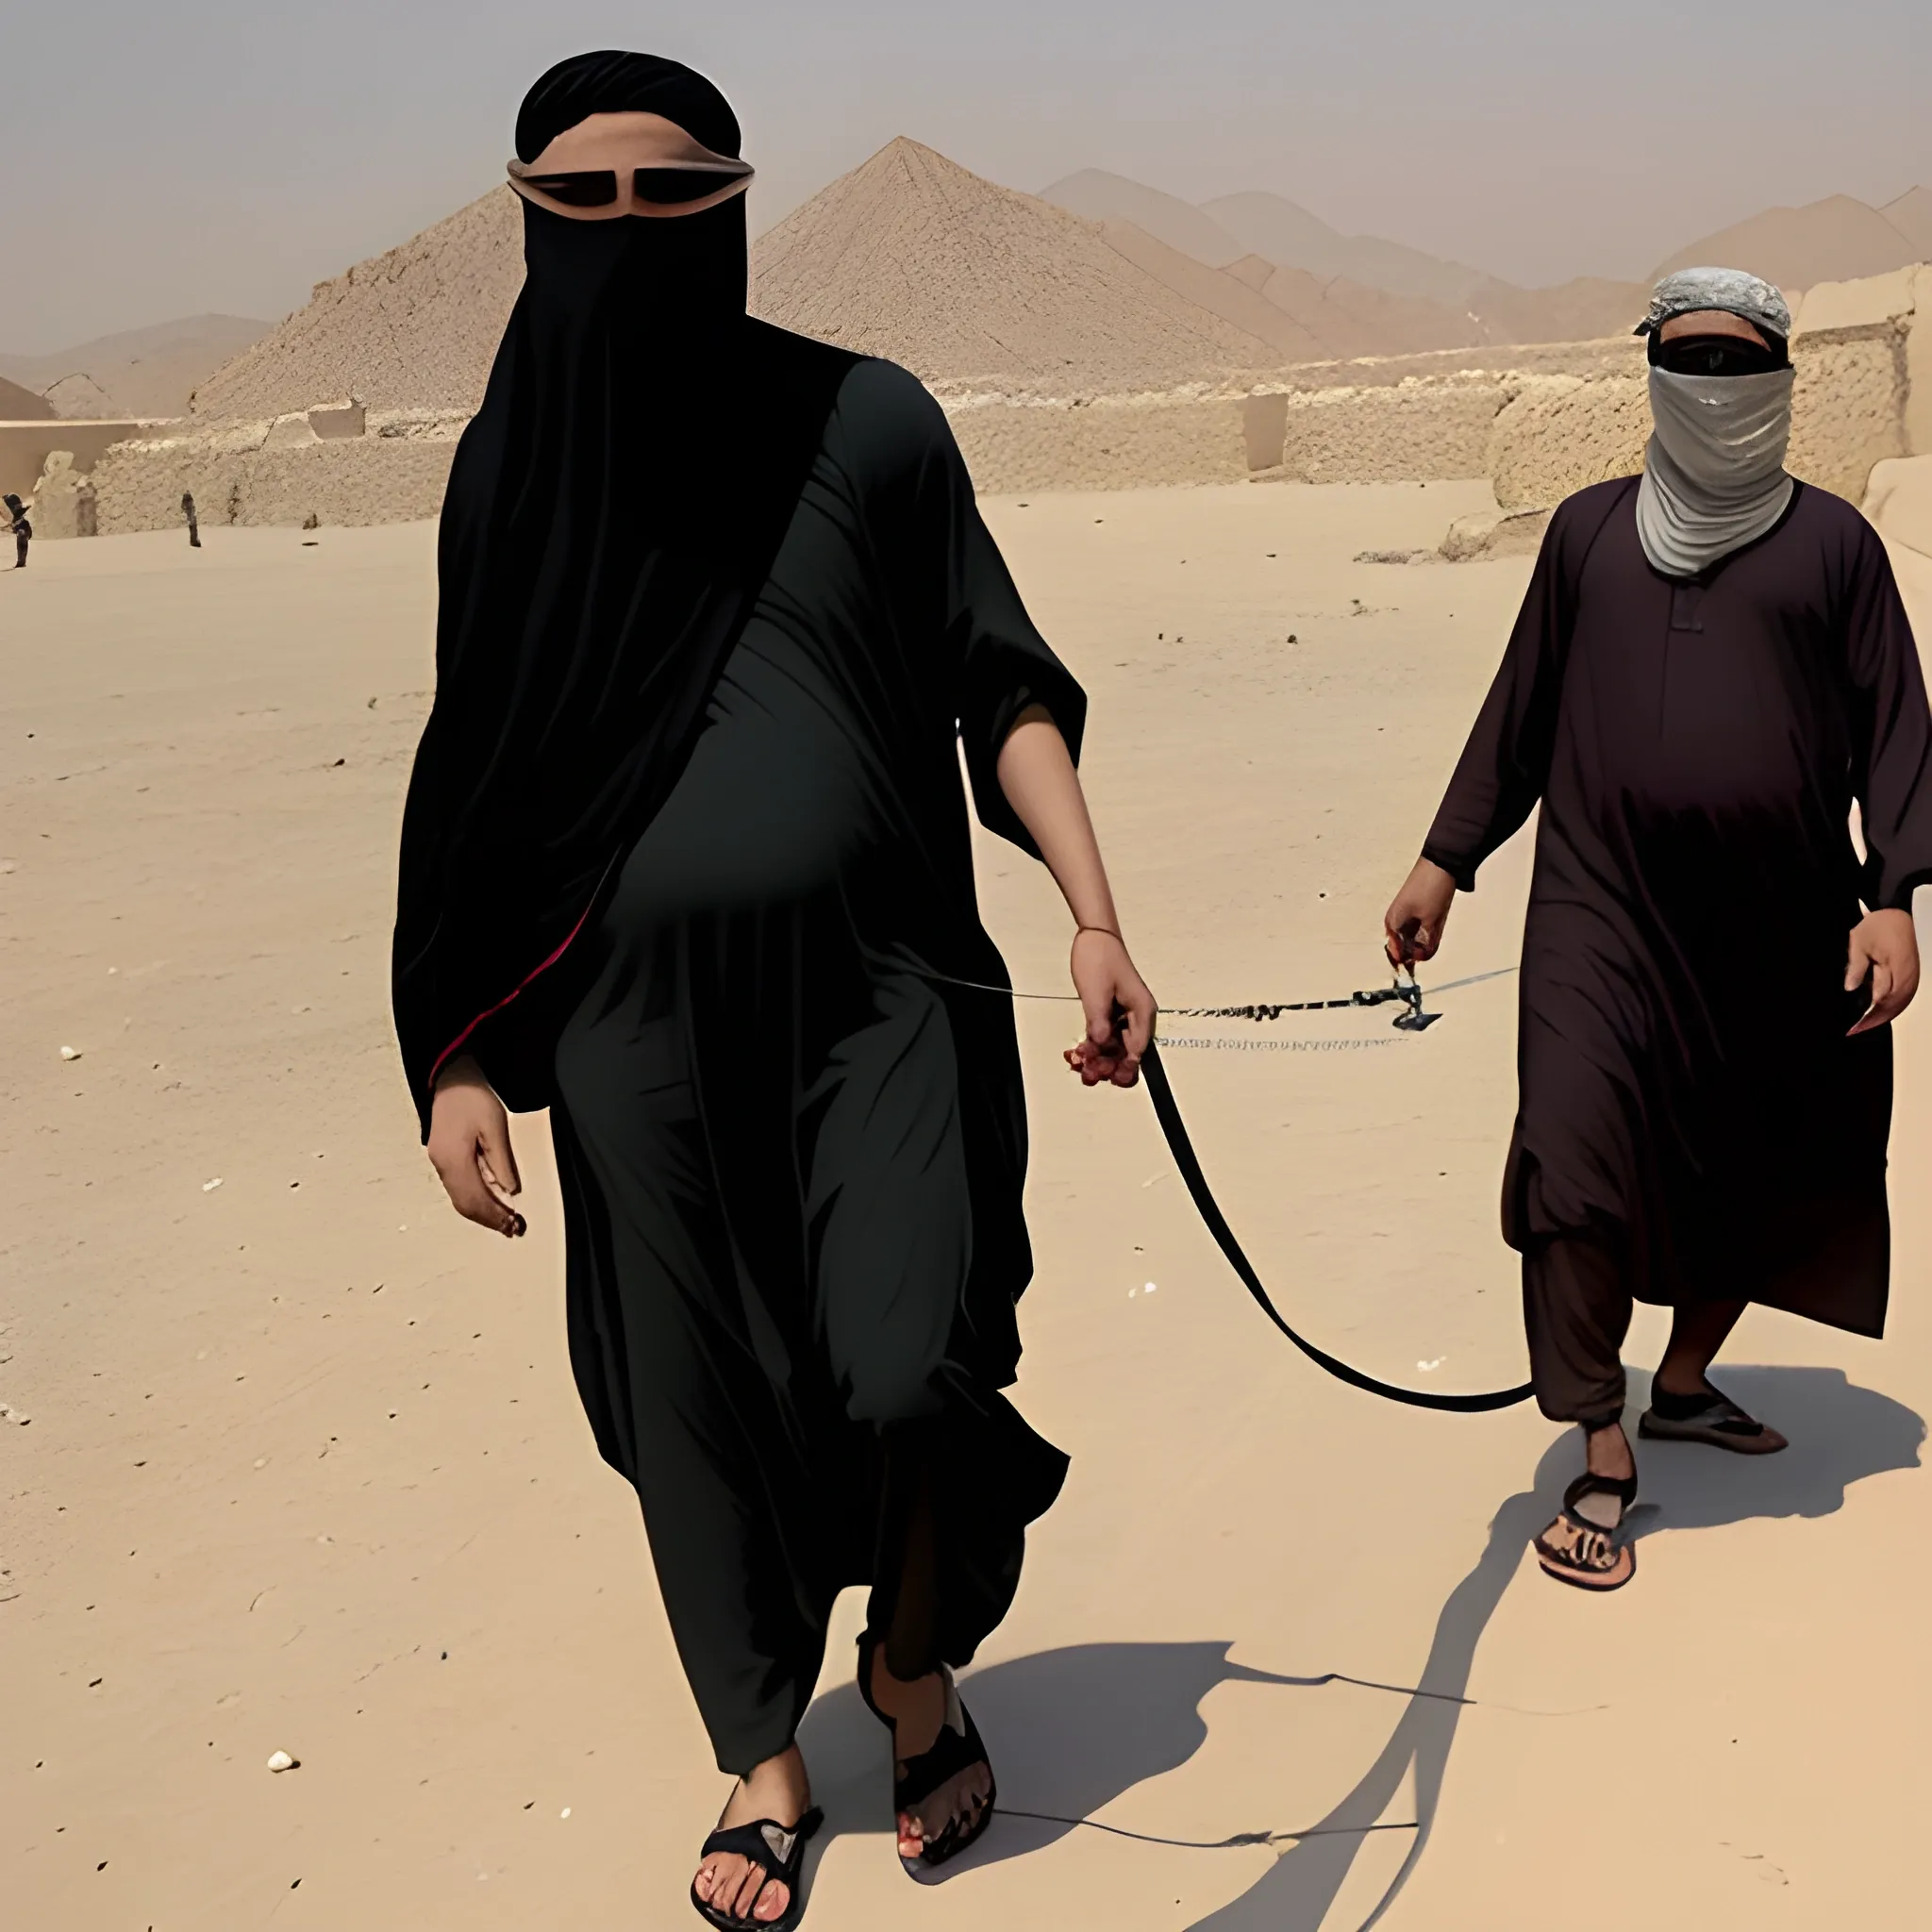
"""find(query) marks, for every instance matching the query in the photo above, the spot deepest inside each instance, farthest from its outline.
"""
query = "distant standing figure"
(193, 525)
(22, 530)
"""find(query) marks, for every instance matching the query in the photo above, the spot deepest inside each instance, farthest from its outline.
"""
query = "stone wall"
(1560, 435)
(1564, 417)
(282, 471)
(1124, 443)
(1422, 430)
(1855, 402)
(24, 447)
(1899, 500)
(1852, 345)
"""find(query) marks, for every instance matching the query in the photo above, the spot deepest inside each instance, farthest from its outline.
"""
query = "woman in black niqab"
(686, 860)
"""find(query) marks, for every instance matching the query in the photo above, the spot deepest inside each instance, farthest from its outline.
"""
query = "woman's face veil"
(679, 284)
(611, 517)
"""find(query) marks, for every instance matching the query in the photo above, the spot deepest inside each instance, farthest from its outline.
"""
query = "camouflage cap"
(1731, 289)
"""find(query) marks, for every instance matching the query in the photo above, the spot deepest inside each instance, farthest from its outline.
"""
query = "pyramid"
(913, 258)
(19, 405)
(415, 329)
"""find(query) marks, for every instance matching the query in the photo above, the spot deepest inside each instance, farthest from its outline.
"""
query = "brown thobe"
(1691, 1114)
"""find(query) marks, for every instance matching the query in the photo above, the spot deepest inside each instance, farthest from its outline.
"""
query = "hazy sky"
(164, 159)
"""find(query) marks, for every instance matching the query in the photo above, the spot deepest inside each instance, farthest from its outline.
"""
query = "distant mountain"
(1273, 225)
(1100, 196)
(1836, 240)
(141, 371)
(1358, 295)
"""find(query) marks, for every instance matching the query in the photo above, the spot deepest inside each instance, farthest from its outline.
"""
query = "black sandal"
(959, 1747)
(1577, 1551)
(779, 1850)
(1707, 1417)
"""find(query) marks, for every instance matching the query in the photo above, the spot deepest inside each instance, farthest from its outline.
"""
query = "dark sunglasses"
(662, 187)
(1718, 356)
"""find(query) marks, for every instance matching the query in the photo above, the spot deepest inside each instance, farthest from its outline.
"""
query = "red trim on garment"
(522, 985)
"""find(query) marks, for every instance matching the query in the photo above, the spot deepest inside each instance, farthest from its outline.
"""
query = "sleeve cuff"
(1459, 868)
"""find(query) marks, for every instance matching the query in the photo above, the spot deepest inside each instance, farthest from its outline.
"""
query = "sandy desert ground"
(264, 1491)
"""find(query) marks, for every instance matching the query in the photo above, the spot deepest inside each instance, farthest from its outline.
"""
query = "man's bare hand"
(1412, 927)
(469, 1148)
(1885, 951)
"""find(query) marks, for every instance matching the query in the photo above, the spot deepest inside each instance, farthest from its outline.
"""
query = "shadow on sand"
(1072, 1729)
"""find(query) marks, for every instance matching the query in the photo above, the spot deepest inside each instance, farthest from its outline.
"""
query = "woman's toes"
(773, 1905)
(745, 1904)
(706, 1880)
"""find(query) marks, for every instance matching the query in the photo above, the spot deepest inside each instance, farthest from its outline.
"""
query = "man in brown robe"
(1712, 667)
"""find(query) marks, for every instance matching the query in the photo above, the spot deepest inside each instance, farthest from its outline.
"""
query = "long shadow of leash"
(1072, 1730)
(1840, 1434)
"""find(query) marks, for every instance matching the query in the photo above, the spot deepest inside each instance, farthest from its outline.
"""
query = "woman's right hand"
(1412, 927)
(469, 1148)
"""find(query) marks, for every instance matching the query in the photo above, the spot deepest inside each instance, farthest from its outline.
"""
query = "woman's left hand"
(1120, 1011)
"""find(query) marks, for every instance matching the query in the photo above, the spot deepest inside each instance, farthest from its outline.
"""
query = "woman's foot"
(917, 1712)
(777, 1790)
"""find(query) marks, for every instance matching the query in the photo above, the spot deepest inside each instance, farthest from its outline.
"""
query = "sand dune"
(1836, 240)
(913, 258)
(142, 371)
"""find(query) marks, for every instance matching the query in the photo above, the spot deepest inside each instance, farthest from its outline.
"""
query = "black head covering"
(612, 513)
(615, 83)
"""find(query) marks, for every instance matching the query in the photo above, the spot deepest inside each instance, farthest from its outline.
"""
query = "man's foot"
(1580, 1546)
(917, 1712)
(1697, 1412)
(734, 1885)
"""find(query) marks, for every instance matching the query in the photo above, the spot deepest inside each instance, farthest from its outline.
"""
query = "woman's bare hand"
(1885, 950)
(1412, 927)
(469, 1148)
(1119, 1009)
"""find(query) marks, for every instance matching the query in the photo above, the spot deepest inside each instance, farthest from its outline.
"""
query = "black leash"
(1188, 1162)
(1412, 1019)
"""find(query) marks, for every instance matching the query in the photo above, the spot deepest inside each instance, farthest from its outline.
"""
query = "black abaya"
(686, 859)
(792, 1161)
(1689, 1097)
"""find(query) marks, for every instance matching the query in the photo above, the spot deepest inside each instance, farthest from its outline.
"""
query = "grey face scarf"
(1713, 477)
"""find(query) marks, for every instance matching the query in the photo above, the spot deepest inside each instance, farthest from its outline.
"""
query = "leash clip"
(1412, 1019)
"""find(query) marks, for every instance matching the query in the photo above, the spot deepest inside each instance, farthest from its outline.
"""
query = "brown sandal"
(1575, 1551)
